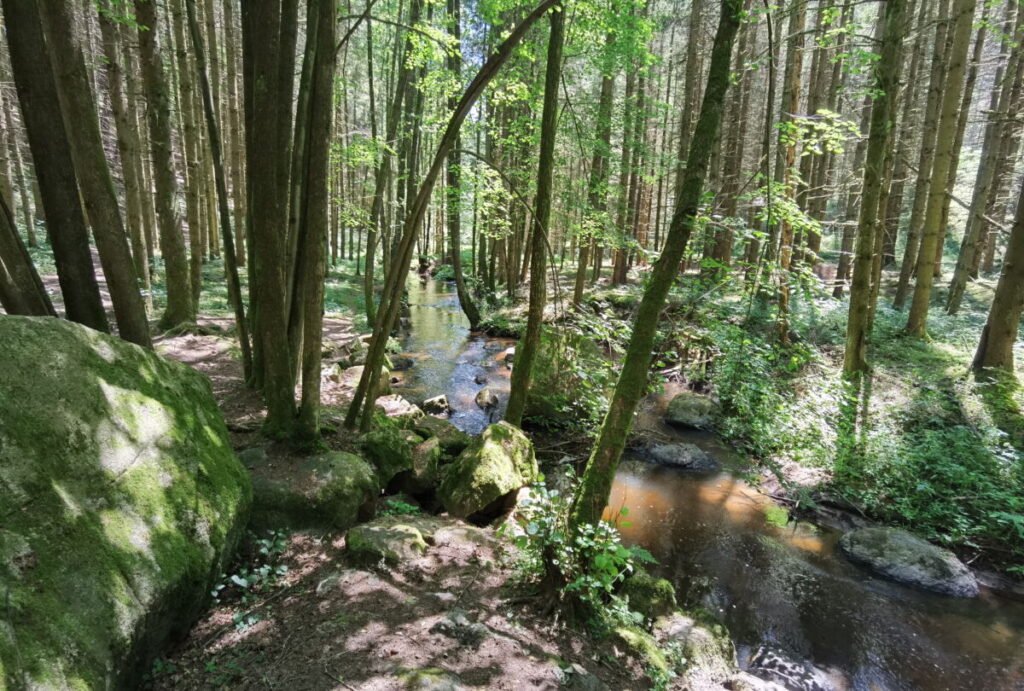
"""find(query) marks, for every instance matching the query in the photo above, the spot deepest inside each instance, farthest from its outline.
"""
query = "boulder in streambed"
(486, 399)
(121, 502)
(438, 405)
(683, 456)
(709, 652)
(485, 478)
(453, 441)
(906, 558)
(399, 409)
(777, 667)
(691, 409)
(329, 491)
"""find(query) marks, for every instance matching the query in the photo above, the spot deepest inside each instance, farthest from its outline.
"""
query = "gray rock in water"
(905, 558)
(438, 405)
(486, 399)
(480, 379)
(401, 362)
(774, 666)
(685, 456)
(691, 409)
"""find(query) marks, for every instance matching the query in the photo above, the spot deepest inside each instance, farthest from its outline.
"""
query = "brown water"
(783, 586)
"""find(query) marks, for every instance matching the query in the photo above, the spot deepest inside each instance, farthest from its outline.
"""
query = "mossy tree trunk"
(589, 503)
(527, 350)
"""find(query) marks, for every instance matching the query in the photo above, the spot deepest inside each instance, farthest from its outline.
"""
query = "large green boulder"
(453, 441)
(121, 501)
(650, 596)
(328, 491)
(487, 474)
(689, 409)
(389, 449)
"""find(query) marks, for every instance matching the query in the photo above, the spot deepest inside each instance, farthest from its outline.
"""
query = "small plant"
(591, 560)
(161, 668)
(397, 507)
(251, 582)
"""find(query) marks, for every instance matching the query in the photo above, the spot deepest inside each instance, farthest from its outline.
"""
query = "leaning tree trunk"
(604, 459)
(180, 309)
(869, 225)
(93, 174)
(527, 351)
(40, 108)
(23, 291)
(945, 134)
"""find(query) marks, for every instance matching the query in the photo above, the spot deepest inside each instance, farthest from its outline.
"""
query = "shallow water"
(783, 586)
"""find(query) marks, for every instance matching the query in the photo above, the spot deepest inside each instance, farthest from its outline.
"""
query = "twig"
(334, 678)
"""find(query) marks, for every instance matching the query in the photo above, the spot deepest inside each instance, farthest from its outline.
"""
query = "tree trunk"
(181, 308)
(92, 172)
(869, 225)
(526, 351)
(51, 152)
(23, 291)
(597, 479)
(962, 13)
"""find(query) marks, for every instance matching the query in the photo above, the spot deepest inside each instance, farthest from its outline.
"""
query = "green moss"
(387, 447)
(650, 596)
(116, 461)
(391, 539)
(643, 645)
(499, 461)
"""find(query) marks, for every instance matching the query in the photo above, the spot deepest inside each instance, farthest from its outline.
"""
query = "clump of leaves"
(253, 580)
(397, 507)
(591, 560)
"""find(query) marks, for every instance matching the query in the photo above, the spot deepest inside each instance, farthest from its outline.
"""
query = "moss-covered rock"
(426, 468)
(691, 409)
(389, 449)
(430, 679)
(328, 491)
(707, 648)
(453, 441)
(391, 539)
(650, 596)
(645, 647)
(497, 464)
(120, 502)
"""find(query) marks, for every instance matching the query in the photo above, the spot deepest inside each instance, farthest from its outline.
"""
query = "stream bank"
(774, 583)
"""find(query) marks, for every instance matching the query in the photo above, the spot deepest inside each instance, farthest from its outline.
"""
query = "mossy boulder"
(486, 476)
(426, 467)
(906, 558)
(391, 539)
(329, 491)
(645, 647)
(121, 501)
(453, 441)
(389, 449)
(650, 596)
(691, 409)
(709, 652)
(430, 679)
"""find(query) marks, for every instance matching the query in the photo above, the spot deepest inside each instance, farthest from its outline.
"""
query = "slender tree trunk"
(23, 291)
(962, 13)
(231, 268)
(51, 152)
(526, 352)
(926, 157)
(181, 308)
(597, 479)
(869, 225)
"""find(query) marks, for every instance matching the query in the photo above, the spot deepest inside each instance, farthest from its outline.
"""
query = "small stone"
(458, 626)
(685, 456)
(691, 409)
(480, 379)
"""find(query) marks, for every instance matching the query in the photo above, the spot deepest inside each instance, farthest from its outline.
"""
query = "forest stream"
(784, 586)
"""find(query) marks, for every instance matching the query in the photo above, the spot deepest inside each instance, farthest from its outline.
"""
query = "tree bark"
(51, 153)
(526, 351)
(597, 479)
(180, 309)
